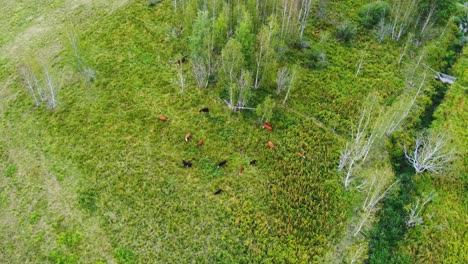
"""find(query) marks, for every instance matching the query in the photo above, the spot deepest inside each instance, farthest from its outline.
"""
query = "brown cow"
(162, 118)
(270, 145)
(267, 127)
(187, 137)
(200, 143)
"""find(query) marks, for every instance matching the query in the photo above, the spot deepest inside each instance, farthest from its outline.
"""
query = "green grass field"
(100, 179)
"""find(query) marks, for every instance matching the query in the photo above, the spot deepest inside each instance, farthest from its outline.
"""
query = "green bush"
(371, 14)
(125, 256)
(315, 58)
(87, 200)
(10, 170)
(346, 32)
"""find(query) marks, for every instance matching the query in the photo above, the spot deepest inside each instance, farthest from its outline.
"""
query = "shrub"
(10, 170)
(124, 256)
(315, 58)
(371, 14)
(346, 32)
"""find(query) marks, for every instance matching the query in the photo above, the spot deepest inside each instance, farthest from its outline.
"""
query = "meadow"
(99, 179)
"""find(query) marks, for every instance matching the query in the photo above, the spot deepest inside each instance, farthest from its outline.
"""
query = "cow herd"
(187, 138)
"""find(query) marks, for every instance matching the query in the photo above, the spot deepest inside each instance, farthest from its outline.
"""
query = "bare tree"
(430, 153)
(414, 218)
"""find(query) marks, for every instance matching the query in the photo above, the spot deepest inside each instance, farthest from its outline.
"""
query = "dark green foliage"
(87, 200)
(392, 224)
(246, 37)
(372, 13)
(125, 256)
(346, 32)
(152, 3)
(443, 9)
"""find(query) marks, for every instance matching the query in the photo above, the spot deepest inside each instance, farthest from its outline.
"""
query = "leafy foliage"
(346, 32)
(371, 14)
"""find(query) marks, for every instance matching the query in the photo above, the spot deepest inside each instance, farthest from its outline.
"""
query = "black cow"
(218, 191)
(187, 164)
(204, 110)
(222, 163)
(253, 162)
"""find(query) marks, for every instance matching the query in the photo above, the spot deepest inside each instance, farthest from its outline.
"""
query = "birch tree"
(244, 84)
(303, 15)
(265, 51)
(200, 48)
(403, 11)
(283, 79)
(290, 84)
(245, 36)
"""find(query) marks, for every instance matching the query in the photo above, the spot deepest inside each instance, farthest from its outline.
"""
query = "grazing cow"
(253, 162)
(222, 163)
(218, 191)
(162, 118)
(204, 110)
(270, 145)
(187, 137)
(267, 127)
(241, 169)
(200, 143)
(187, 164)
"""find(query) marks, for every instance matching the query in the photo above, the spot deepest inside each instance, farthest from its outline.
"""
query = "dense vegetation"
(90, 175)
